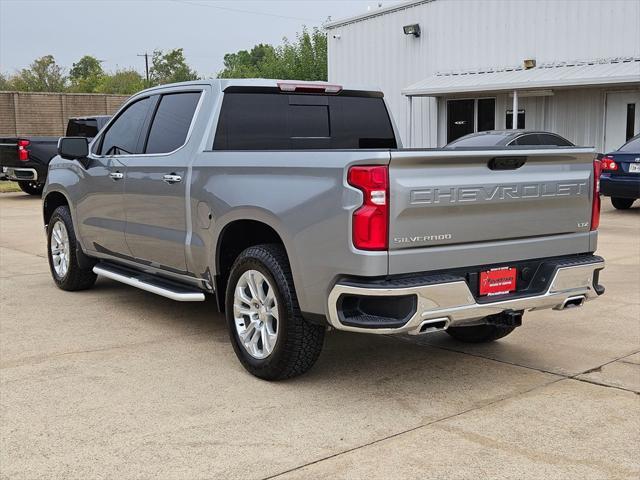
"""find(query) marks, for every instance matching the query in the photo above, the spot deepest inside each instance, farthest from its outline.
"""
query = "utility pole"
(146, 64)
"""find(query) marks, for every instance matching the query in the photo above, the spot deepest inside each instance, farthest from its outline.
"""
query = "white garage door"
(623, 118)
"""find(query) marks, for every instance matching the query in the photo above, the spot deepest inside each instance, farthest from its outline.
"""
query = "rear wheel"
(32, 188)
(63, 255)
(480, 333)
(268, 333)
(622, 203)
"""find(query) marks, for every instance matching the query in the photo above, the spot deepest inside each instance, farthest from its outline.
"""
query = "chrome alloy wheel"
(60, 249)
(255, 310)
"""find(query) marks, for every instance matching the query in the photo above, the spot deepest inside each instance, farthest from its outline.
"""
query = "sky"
(116, 31)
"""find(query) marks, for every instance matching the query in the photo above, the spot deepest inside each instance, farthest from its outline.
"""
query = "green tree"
(123, 81)
(43, 75)
(170, 67)
(247, 64)
(5, 83)
(303, 59)
(86, 74)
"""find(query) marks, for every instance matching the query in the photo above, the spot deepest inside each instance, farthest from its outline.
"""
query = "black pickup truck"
(26, 159)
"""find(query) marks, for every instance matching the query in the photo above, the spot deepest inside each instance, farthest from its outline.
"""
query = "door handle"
(116, 175)
(171, 178)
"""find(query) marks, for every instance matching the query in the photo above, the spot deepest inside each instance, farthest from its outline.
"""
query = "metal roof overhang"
(622, 73)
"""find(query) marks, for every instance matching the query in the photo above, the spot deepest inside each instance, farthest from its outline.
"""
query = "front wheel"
(622, 203)
(32, 188)
(268, 333)
(63, 254)
(480, 333)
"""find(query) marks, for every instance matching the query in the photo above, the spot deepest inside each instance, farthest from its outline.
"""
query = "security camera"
(337, 36)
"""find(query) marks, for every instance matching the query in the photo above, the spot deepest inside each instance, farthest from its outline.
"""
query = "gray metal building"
(458, 66)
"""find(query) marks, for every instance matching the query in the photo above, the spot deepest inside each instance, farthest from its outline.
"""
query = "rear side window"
(556, 140)
(276, 121)
(632, 146)
(544, 139)
(82, 128)
(530, 139)
(171, 122)
(123, 134)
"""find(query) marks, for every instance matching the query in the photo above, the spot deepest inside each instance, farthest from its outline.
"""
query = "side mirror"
(73, 148)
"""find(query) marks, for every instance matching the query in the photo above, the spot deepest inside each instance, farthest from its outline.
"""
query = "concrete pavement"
(118, 383)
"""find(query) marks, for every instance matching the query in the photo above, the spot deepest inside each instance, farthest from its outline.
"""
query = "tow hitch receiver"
(508, 318)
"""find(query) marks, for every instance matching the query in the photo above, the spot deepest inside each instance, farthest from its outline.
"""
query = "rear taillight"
(595, 206)
(371, 221)
(23, 153)
(608, 164)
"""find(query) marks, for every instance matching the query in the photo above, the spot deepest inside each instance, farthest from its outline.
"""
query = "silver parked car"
(510, 138)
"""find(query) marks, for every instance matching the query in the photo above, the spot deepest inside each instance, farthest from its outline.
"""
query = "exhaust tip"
(573, 302)
(430, 326)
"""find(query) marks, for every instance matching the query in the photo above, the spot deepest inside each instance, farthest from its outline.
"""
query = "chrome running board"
(148, 283)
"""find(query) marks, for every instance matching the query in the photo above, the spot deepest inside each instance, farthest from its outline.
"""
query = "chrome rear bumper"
(20, 174)
(454, 304)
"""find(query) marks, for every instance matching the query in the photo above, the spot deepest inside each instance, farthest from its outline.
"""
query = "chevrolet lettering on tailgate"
(438, 195)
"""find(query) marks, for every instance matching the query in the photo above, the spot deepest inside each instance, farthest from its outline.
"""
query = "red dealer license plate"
(498, 281)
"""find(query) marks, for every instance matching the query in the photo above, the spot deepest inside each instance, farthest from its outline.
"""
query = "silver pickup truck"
(294, 205)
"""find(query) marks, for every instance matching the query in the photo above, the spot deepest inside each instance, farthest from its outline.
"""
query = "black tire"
(299, 342)
(76, 277)
(32, 188)
(622, 203)
(479, 333)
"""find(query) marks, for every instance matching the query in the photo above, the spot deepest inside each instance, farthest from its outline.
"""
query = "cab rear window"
(82, 128)
(277, 121)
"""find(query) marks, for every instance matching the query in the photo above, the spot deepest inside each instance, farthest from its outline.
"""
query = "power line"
(239, 10)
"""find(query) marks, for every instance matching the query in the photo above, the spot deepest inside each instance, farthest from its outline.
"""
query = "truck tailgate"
(441, 198)
(8, 151)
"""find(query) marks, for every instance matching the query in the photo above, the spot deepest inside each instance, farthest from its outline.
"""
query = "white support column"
(514, 121)
(436, 130)
(410, 124)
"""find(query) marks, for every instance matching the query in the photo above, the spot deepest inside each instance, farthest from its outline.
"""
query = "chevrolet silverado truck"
(295, 206)
(25, 159)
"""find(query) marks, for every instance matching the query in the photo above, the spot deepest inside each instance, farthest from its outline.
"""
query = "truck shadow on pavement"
(345, 355)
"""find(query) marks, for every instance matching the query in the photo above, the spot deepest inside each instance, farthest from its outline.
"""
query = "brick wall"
(29, 113)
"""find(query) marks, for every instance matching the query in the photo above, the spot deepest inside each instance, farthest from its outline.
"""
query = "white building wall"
(463, 35)
(577, 115)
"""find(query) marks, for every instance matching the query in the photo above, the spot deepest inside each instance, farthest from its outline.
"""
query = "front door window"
(123, 135)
